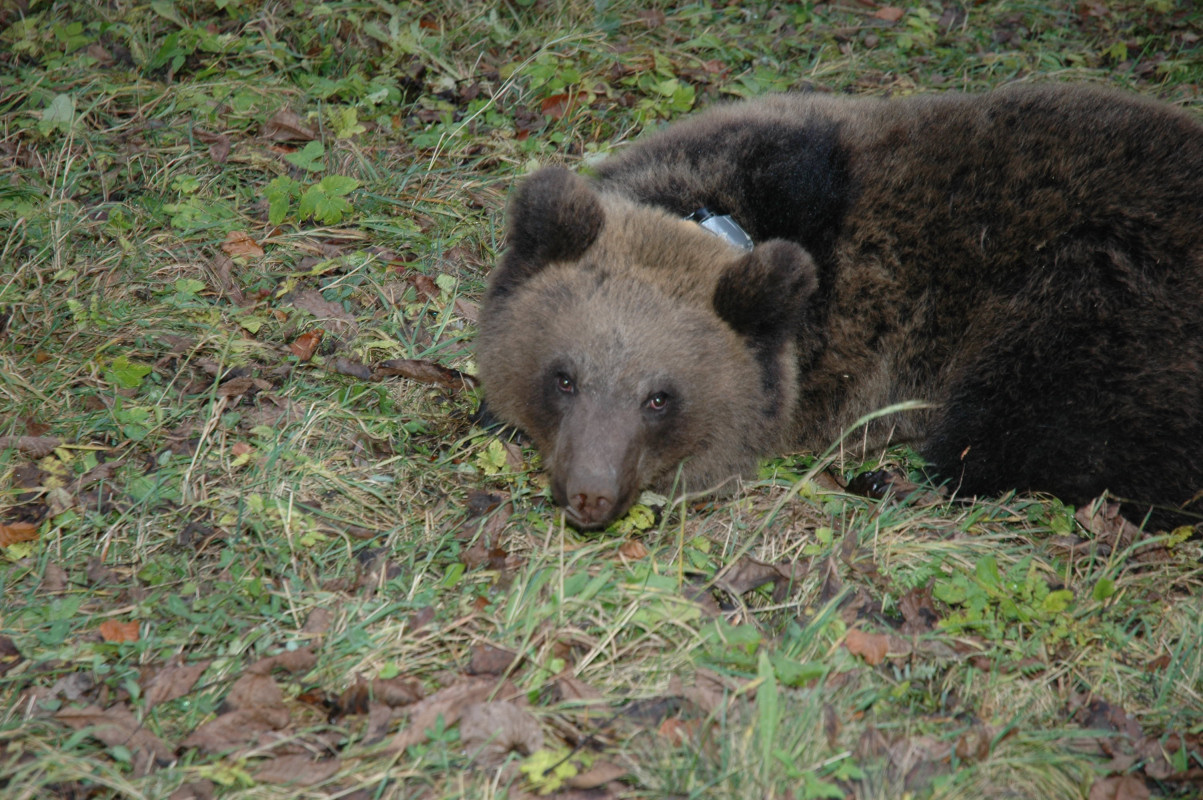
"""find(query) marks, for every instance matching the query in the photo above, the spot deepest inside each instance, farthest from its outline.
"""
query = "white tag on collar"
(722, 226)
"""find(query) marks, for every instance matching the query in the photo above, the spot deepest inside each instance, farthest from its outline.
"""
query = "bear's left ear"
(763, 294)
(554, 215)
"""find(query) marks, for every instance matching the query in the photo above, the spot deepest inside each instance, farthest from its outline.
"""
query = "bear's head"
(637, 350)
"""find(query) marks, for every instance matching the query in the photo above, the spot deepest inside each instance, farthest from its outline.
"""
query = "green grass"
(238, 501)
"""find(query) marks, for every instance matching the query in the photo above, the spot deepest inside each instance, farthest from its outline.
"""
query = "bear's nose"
(591, 506)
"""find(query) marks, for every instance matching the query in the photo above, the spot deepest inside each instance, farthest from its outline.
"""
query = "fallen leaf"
(749, 573)
(195, 790)
(558, 106)
(489, 660)
(601, 773)
(10, 656)
(889, 13)
(425, 372)
(1122, 787)
(219, 144)
(15, 532)
(354, 369)
(677, 731)
(112, 630)
(396, 692)
(632, 550)
(236, 387)
(574, 689)
(872, 647)
(331, 315)
(448, 703)
(54, 580)
(286, 126)
(240, 243)
(298, 662)
(318, 622)
(296, 770)
(172, 681)
(490, 731)
(117, 726)
(1113, 532)
(305, 345)
(34, 446)
(236, 730)
(918, 611)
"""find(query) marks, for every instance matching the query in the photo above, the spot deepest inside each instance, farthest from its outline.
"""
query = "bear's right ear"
(554, 215)
(763, 295)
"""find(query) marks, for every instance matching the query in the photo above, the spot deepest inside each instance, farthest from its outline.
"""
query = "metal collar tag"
(722, 226)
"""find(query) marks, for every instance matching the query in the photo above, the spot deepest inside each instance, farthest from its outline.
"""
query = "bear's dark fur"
(1029, 261)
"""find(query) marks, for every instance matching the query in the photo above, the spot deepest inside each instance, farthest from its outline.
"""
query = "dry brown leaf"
(286, 126)
(298, 662)
(236, 730)
(1120, 787)
(345, 366)
(396, 692)
(219, 144)
(677, 731)
(112, 630)
(236, 387)
(467, 309)
(709, 690)
(332, 315)
(889, 13)
(489, 660)
(448, 703)
(195, 790)
(918, 611)
(10, 656)
(747, 574)
(118, 726)
(34, 446)
(490, 731)
(573, 688)
(1112, 530)
(425, 372)
(240, 243)
(632, 550)
(872, 647)
(305, 345)
(174, 680)
(558, 106)
(601, 773)
(297, 770)
(15, 532)
(54, 580)
(318, 622)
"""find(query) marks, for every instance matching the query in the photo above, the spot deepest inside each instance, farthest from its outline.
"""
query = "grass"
(240, 560)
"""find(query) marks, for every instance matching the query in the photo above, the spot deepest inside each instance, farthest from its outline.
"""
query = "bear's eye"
(657, 402)
(565, 384)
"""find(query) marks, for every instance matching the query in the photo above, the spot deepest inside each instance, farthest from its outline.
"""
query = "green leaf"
(58, 116)
(768, 709)
(280, 193)
(1058, 601)
(492, 459)
(1103, 589)
(308, 158)
(125, 373)
(324, 200)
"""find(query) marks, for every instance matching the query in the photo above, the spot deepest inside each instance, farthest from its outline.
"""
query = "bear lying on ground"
(1029, 261)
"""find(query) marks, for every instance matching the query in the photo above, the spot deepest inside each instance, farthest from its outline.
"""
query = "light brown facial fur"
(624, 375)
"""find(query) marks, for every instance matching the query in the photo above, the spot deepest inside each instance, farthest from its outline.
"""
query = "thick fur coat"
(1028, 261)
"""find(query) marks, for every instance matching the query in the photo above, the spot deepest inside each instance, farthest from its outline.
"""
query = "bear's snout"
(594, 464)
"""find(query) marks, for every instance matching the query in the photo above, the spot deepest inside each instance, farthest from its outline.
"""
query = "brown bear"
(756, 278)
